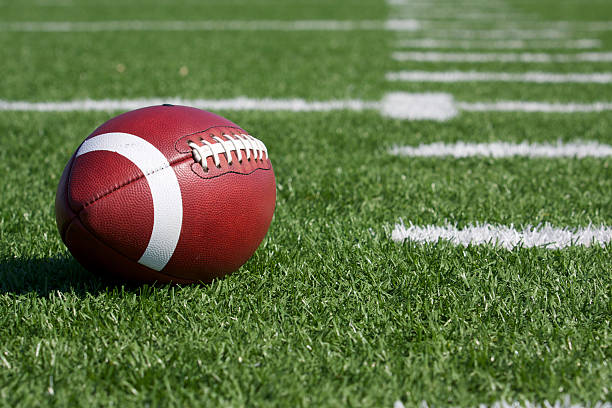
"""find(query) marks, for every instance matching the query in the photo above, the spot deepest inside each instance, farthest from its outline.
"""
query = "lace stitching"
(234, 143)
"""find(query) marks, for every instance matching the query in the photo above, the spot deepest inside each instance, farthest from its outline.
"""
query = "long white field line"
(579, 26)
(543, 236)
(450, 4)
(576, 149)
(565, 403)
(212, 25)
(455, 15)
(525, 57)
(236, 104)
(497, 34)
(526, 106)
(447, 9)
(478, 76)
(399, 24)
(397, 105)
(583, 43)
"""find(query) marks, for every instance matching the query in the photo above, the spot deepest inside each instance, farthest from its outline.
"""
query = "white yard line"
(212, 25)
(398, 105)
(236, 104)
(542, 236)
(497, 34)
(584, 43)
(501, 57)
(447, 3)
(453, 15)
(476, 76)
(565, 403)
(526, 106)
(577, 149)
(406, 24)
(521, 24)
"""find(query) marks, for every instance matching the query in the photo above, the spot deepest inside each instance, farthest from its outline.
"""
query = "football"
(166, 194)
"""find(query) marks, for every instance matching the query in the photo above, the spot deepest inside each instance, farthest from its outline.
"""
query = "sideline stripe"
(398, 105)
(476, 76)
(542, 236)
(578, 149)
(501, 57)
(210, 25)
(583, 43)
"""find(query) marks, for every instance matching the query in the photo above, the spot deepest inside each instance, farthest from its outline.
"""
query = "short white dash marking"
(542, 236)
(578, 149)
(477, 76)
(432, 106)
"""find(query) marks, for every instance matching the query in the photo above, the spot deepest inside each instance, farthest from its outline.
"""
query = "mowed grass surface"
(92, 10)
(224, 64)
(329, 311)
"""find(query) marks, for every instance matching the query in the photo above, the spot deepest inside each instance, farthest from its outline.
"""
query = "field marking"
(584, 43)
(508, 237)
(453, 15)
(586, 26)
(526, 106)
(477, 76)
(407, 24)
(212, 25)
(446, 3)
(565, 403)
(425, 106)
(397, 105)
(577, 149)
(236, 104)
(501, 57)
(520, 24)
(411, 106)
(498, 34)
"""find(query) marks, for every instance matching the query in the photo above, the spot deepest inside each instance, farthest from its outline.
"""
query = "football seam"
(128, 182)
(228, 172)
(102, 242)
(136, 178)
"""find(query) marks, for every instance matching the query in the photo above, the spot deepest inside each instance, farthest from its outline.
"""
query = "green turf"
(329, 311)
(97, 10)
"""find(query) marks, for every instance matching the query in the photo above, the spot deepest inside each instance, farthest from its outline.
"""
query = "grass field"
(330, 311)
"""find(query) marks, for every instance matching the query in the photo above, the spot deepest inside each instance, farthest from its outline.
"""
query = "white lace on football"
(233, 143)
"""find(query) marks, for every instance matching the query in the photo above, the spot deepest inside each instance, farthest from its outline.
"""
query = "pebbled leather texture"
(105, 210)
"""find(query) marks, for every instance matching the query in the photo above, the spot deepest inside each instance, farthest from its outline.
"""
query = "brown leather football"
(166, 194)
